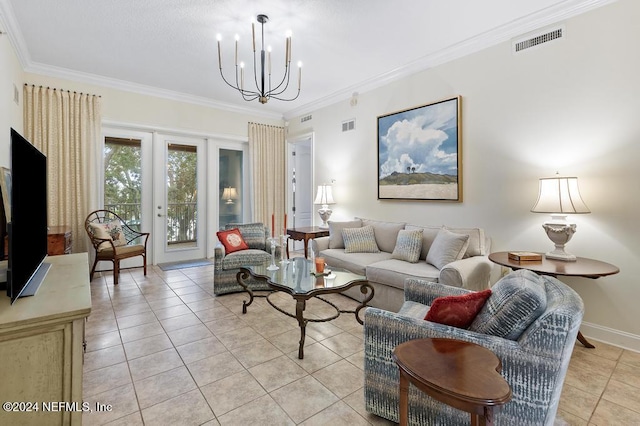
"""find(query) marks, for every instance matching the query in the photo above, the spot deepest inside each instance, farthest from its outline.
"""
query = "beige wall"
(571, 106)
(10, 113)
(149, 111)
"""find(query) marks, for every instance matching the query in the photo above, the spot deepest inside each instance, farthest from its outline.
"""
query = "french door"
(179, 198)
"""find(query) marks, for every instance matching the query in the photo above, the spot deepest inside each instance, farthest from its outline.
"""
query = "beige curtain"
(267, 151)
(65, 126)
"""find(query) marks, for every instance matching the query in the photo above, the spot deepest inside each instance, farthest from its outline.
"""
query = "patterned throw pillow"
(457, 311)
(408, 245)
(108, 231)
(360, 240)
(518, 299)
(232, 240)
(335, 232)
(446, 248)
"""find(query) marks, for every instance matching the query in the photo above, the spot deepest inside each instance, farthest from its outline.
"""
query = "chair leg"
(116, 271)
(144, 260)
(93, 269)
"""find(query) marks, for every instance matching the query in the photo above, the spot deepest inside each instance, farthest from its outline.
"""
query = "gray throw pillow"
(360, 240)
(335, 232)
(446, 248)
(408, 245)
(516, 301)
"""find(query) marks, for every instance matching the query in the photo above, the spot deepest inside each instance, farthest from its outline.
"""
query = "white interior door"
(180, 225)
(300, 155)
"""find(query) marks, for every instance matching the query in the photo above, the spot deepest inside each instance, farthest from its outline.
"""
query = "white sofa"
(387, 274)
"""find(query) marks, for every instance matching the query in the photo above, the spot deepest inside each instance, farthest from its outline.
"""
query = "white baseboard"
(609, 335)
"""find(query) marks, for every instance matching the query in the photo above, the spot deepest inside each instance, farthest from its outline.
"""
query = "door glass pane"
(230, 167)
(123, 179)
(182, 196)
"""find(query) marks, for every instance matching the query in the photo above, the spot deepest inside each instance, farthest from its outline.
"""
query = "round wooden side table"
(463, 375)
(581, 267)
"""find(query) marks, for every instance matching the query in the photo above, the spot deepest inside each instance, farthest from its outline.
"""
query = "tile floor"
(162, 350)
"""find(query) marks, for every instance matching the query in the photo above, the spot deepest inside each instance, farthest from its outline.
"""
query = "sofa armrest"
(424, 292)
(319, 244)
(472, 273)
(218, 255)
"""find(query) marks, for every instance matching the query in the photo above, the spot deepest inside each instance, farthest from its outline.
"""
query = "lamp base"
(560, 234)
(325, 214)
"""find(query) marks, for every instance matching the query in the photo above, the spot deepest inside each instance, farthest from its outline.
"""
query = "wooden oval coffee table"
(463, 375)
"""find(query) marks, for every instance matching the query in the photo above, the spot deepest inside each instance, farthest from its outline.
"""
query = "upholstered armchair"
(532, 336)
(113, 240)
(227, 265)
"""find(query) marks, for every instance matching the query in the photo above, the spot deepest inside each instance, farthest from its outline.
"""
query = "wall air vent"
(348, 125)
(306, 118)
(538, 38)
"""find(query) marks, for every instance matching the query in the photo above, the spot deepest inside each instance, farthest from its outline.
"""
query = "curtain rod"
(62, 90)
(267, 125)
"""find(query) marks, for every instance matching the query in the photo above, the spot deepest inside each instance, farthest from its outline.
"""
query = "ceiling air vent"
(348, 125)
(538, 38)
(306, 118)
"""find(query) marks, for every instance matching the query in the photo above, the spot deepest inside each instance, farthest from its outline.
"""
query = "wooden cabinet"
(59, 240)
(41, 345)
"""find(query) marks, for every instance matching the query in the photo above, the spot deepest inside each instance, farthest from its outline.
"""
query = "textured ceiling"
(345, 46)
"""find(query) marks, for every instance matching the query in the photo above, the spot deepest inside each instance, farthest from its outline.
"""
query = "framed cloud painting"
(419, 153)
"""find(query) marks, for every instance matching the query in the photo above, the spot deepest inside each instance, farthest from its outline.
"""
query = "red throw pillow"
(232, 240)
(457, 311)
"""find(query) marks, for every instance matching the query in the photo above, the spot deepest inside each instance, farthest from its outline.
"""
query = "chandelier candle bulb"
(299, 74)
(237, 38)
(269, 59)
(253, 34)
(219, 54)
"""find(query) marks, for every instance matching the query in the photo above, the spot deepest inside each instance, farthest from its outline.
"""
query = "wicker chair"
(114, 240)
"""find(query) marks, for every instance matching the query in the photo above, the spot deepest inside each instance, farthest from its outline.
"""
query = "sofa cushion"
(446, 248)
(457, 311)
(476, 241)
(386, 233)
(429, 234)
(393, 272)
(354, 262)
(517, 300)
(335, 232)
(244, 258)
(413, 309)
(408, 245)
(232, 240)
(252, 233)
(359, 240)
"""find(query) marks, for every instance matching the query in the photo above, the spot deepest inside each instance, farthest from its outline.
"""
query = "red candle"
(273, 225)
(285, 223)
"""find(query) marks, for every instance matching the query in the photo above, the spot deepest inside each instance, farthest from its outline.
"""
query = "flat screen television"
(28, 227)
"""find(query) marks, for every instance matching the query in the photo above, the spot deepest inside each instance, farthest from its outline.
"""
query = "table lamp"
(559, 196)
(324, 197)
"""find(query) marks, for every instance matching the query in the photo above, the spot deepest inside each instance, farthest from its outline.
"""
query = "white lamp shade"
(559, 195)
(230, 193)
(324, 195)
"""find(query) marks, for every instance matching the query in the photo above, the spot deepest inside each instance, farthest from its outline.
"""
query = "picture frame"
(420, 153)
(5, 190)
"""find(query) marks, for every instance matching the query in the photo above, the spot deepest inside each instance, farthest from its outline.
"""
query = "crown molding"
(549, 16)
(10, 23)
(127, 86)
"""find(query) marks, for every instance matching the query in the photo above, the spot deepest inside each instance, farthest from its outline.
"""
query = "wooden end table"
(461, 374)
(582, 267)
(306, 234)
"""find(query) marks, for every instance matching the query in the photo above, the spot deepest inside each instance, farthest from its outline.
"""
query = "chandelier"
(262, 76)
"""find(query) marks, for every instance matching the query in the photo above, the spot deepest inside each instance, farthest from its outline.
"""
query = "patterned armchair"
(534, 344)
(226, 266)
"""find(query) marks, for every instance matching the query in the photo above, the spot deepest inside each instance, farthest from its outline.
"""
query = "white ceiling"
(168, 47)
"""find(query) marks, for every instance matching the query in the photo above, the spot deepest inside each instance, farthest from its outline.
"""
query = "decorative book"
(525, 256)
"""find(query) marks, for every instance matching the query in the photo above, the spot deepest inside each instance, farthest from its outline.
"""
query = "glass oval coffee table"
(297, 278)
